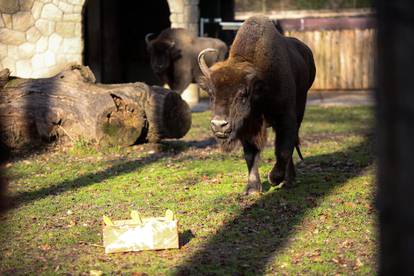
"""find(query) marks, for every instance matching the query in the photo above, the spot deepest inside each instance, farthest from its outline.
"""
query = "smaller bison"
(264, 82)
(174, 53)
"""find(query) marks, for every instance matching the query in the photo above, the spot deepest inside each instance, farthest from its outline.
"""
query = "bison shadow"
(249, 242)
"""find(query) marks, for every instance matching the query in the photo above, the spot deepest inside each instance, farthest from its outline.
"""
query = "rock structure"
(38, 38)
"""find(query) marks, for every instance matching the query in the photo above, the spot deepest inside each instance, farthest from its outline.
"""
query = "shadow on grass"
(167, 149)
(246, 244)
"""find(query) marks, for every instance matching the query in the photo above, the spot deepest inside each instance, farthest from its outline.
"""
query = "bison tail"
(299, 153)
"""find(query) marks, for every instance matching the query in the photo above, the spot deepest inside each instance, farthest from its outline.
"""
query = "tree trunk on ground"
(395, 124)
(71, 106)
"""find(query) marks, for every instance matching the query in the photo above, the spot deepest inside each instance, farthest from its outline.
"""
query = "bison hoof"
(276, 176)
(253, 188)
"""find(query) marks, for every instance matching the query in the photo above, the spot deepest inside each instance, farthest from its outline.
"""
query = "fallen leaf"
(95, 273)
(358, 263)
(45, 247)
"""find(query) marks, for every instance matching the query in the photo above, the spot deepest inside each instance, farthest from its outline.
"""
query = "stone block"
(65, 29)
(13, 51)
(1, 22)
(24, 68)
(65, 7)
(9, 6)
(75, 2)
(51, 12)
(26, 5)
(46, 27)
(3, 51)
(75, 58)
(37, 9)
(38, 62)
(72, 17)
(55, 41)
(61, 59)
(77, 9)
(10, 63)
(42, 44)
(11, 37)
(22, 21)
(78, 29)
(49, 58)
(179, 18)
(33, 34)
(72, 45)
(176, 6)
(7, 19)
(26, 50)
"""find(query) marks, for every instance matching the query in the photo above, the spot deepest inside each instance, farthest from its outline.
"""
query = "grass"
(325, 225)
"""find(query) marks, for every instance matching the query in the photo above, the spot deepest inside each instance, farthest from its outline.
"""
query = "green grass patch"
(325, 225)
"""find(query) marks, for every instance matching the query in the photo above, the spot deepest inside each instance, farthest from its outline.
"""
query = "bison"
(173, 56)
(264, 82)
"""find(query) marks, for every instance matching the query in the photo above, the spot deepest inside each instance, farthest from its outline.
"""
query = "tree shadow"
(246, 244)
(167, 149)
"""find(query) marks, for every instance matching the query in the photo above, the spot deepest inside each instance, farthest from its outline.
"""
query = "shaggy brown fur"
(174, 53)
(264, 82)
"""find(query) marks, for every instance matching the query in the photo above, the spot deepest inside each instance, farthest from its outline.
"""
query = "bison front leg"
(182, 78)
(284, 169)
(252, 156)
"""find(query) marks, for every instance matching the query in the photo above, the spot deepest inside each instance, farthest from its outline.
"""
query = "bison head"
(161, 52)
(233, 87)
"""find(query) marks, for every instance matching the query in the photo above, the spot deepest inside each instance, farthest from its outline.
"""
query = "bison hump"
(257, 41)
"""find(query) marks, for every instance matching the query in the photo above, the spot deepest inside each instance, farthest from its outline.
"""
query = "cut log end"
(168, 114)
(122, 125)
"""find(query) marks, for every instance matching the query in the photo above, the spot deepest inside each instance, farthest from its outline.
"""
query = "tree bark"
(395, 125)
(72, 106)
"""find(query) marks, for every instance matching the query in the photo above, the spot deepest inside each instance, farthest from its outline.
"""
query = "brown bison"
(173, 56)
(264, 82)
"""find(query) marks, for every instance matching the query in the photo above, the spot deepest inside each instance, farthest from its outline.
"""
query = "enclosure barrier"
(342, 44)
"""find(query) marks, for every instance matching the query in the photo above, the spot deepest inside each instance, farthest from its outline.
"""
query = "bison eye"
(243, 92)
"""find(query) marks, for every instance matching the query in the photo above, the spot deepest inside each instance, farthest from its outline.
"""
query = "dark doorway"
(114, 34)
(218, 9)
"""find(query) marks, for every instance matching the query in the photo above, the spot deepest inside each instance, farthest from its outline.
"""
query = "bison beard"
(264, 82)
(238, 120)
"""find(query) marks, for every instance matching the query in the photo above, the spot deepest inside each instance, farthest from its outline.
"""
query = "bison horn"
(202, 62)
(147, 37)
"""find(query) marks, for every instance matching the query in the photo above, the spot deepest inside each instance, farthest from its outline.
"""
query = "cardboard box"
(139, 234)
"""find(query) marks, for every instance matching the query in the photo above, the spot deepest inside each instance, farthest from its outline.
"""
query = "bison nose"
(219, 125)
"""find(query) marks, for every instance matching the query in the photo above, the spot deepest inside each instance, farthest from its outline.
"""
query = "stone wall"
(184, 14)
(38, 37)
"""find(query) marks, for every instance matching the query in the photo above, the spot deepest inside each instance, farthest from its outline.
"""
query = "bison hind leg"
(277, 175)
(290, 175)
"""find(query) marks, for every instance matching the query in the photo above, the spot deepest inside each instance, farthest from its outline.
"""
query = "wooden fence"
(343, 48)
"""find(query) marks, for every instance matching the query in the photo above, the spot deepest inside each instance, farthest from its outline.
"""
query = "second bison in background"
(264, 82)
(174, 53)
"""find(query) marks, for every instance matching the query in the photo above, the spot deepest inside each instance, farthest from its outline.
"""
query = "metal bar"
(316, 24)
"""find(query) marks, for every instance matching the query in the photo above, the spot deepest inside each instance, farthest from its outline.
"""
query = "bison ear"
(204, 84)
(175, 53)
(254, 84)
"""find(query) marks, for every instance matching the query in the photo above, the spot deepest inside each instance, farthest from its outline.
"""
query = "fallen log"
(72, 106)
